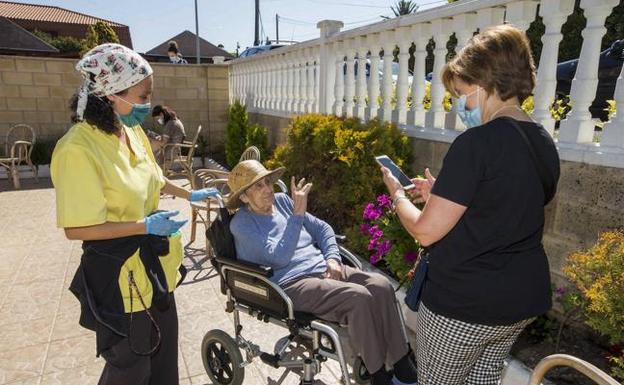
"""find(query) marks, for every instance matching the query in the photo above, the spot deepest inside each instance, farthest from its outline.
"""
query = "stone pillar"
(386, 88)
(436, 114)
(339, 79)
(350, 78)
(554, 13)
(326, 70)
(420, 35)
(360, 89)
(578, 127)
(373, 86)
(404, 40)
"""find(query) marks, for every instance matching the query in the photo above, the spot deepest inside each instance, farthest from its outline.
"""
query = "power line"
(348, 4)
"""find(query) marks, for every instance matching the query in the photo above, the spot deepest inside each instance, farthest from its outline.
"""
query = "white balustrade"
(340, 72)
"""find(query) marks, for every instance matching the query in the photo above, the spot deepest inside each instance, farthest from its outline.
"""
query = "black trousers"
(124, 367)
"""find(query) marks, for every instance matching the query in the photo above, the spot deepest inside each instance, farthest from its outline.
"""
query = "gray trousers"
(124, 367)
(365, 302)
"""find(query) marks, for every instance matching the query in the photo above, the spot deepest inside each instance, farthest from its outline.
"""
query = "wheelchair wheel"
(360, 373)
(222, 358)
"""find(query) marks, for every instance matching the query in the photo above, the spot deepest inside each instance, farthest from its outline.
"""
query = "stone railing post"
(327, 64)
(373, 86)
(578, 127)
(420, 35)
(441, 30)
(402, 36)
(554, 13)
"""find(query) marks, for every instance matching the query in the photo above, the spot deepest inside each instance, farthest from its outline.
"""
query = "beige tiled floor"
(41, 342)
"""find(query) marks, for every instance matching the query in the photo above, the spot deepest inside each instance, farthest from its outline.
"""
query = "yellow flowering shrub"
(337, 156)
(558, 109)
(598, 273)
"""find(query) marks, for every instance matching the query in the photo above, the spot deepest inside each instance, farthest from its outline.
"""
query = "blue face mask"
(137, 115)
(471, 118)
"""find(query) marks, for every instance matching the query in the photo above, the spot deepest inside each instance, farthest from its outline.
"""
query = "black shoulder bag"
(545, 176)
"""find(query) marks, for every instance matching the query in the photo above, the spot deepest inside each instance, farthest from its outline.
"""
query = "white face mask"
(160, 120)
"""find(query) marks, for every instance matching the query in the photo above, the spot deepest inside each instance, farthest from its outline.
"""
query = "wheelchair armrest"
(340, 238)
(265, 271)
(349, 258)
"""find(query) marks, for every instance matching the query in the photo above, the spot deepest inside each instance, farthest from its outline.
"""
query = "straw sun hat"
(245, 174)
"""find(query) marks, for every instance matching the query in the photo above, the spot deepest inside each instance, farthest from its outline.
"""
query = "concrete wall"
(590, 199)
(36, 91)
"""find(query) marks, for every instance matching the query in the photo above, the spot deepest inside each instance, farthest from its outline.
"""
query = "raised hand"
(299, 193)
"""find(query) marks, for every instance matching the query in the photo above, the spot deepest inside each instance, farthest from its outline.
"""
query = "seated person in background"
(275, 230)
(173, 132)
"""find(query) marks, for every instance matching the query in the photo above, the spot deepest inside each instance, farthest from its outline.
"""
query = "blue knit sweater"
(293, 245)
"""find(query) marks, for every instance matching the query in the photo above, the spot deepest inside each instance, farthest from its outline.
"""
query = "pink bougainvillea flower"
(384, 247)
(384, 201)
(364, 228)
(371, 212)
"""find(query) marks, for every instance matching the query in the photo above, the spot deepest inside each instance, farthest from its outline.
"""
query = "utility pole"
(257, 29)
(197, 34)
(276, 28)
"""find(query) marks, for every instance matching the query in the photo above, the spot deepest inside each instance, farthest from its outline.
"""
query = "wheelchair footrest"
(270, 359)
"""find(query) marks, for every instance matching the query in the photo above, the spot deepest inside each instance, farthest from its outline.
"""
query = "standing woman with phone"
(488, 274)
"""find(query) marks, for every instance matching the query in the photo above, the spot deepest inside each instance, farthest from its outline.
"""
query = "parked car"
(609, 68)
(250, 51)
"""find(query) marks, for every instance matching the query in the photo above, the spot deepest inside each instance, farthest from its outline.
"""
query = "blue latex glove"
(203, 194)
(161, 224)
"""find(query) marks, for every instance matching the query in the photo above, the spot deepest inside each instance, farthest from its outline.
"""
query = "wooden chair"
(173, 158)
(18, 148)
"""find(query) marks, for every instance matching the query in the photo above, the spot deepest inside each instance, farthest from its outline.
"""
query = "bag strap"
(543, 173)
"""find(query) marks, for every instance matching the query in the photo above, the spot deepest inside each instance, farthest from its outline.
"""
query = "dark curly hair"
(168, 113)
(98, 112)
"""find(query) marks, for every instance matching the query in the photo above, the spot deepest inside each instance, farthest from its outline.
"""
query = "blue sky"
(228, 21)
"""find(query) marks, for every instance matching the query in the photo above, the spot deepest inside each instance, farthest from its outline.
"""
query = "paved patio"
(40, 339)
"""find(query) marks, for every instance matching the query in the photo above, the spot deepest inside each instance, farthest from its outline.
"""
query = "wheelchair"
(249, 290)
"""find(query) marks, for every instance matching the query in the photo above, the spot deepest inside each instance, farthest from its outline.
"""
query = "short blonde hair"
(497, 59)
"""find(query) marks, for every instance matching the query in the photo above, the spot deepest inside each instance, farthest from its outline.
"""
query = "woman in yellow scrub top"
(107, 192)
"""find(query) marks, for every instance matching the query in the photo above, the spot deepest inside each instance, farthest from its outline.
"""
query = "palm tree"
(403, 7)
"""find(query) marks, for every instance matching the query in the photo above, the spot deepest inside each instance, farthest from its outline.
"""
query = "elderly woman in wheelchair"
(320, 293)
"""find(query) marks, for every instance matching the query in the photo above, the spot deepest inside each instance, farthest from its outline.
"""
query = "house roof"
(186, 45)
(48, 13)
(14, 37)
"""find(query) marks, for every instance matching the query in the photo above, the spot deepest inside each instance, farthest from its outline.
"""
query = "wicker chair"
(18, 148)
(204, 178)
(173, 158)
(250, 153)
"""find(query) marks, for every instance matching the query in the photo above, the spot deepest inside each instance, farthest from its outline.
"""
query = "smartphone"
(405, 181)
